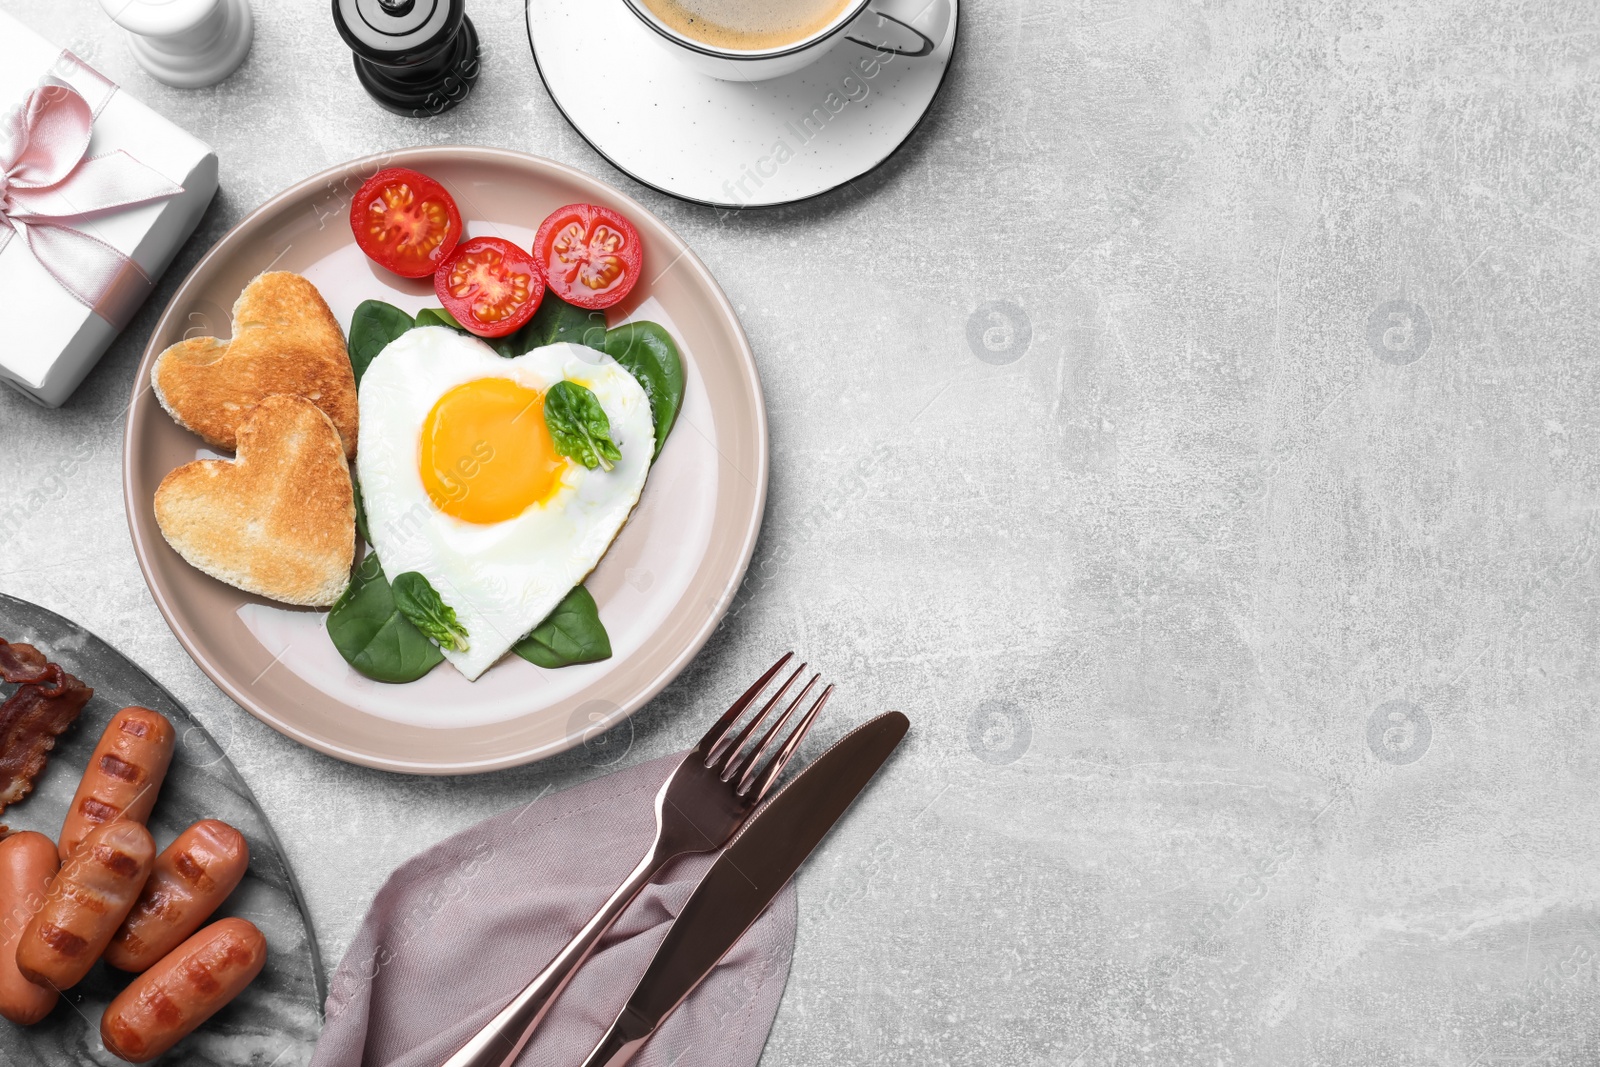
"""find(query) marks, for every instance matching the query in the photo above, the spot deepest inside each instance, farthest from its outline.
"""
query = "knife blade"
(745, 878)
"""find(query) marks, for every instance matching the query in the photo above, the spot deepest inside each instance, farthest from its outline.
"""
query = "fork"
(702, 804)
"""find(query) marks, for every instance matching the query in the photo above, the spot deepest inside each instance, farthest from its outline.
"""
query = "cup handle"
(914, 19)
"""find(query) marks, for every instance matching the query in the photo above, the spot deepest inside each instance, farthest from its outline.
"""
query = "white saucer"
(729, 144)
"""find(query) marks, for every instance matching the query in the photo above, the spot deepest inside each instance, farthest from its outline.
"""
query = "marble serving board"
(276, 1021)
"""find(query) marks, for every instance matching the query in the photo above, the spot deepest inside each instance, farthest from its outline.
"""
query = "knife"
(745, 878)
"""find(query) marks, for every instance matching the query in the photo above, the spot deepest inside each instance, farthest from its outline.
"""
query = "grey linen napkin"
(457, 931)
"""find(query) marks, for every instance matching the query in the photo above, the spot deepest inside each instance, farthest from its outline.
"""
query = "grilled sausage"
(124, 774)
(27, 863)
(88, 899)
(165, 1004)
(190, 879)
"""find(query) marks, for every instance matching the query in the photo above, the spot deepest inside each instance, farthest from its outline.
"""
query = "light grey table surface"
(1236, 568)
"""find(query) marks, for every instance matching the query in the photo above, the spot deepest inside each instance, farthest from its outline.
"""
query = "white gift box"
(54, 339)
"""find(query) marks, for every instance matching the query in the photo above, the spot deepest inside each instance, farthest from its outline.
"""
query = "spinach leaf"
(419, 602)
(571, 634)
(372, 635)
(440, 317)
(372, 327)
(649, 354)
(361, 510)
(556, 320)
(579, 426)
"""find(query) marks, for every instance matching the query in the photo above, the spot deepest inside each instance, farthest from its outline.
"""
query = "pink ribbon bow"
(49, 192)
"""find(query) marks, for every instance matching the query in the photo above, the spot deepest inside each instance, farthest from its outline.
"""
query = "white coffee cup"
(899, 27)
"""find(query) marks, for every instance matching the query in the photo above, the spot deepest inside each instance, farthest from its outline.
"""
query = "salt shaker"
(186, 43)
(414, 57)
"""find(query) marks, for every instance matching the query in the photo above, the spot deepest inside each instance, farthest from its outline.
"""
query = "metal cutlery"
(701, 806)
(745, 878)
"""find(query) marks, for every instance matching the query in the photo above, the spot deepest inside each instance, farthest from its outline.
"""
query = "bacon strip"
(22, 663)
(33, 717)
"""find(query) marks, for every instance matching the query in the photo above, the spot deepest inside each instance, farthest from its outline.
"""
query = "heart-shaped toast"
(285, 341)
(279, 520)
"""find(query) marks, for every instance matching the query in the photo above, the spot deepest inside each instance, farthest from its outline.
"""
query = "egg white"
(504, 578)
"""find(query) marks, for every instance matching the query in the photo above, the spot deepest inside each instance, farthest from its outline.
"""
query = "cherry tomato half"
(590, 255)
(491, 286)
(405, 222)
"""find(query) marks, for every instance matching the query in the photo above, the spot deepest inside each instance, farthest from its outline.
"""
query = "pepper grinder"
(414, 57)
(185, 43)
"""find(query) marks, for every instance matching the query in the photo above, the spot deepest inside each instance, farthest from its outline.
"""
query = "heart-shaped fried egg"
(463, 482)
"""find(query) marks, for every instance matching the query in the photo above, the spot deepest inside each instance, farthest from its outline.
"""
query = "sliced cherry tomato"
(591, 256)
(491, 286)
(405, 222)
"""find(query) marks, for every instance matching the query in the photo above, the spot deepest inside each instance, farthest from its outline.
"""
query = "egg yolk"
(487, 455)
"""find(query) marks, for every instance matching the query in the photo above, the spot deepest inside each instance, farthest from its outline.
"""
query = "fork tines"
(724, 746)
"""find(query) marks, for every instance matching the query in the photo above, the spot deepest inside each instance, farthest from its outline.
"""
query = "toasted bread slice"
(285, 341)
(280, 520)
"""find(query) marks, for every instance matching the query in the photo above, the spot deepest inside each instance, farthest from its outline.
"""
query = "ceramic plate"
(277, 1019)
(661, 588)
(741, 144)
